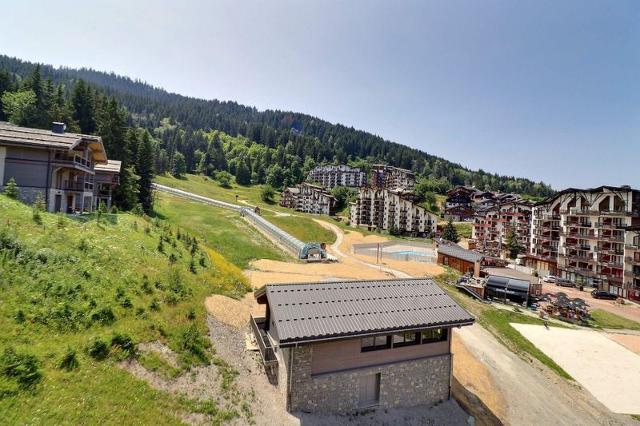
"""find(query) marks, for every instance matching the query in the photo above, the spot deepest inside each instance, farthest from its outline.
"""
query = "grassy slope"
(605, 319)
(220, 229)
(300, 226)
(57, 284)
(498, 322)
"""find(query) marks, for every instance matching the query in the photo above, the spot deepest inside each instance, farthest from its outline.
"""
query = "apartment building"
(308, 198)
(392, 178)
(590, 232)
(58, 166)
(632, 262)
(331, 176)
(387, 210)
(492, 226)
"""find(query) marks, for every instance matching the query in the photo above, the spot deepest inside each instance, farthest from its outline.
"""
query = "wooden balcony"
(264, 344)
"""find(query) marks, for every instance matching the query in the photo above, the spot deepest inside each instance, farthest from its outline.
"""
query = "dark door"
(58, 203)
(70, 205)
(369, 390)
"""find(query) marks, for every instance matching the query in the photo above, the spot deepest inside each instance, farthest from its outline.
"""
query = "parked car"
(564, 283)
(601, 294)
(550, 279)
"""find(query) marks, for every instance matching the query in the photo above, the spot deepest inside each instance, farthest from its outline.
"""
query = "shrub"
(98, 349)
(23, 368)
(12, 190)
(125, 345)
(138, 210)
(83, 245)
(154, 306)
(104, 316)
(61, 222)
(20, 317)
(191, 315)
(69, 361)
(267, 193)
(192, 341)
(35, 215)
(192, 266)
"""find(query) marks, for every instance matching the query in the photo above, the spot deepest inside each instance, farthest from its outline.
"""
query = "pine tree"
(12, 190)
(83, 107)
(179, 166)
(144, 169)
(243, 174)
(111, 126)
(513, 246)
(449, 233)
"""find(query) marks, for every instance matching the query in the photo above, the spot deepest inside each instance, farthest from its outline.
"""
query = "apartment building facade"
(392, 178)
(632, 262)
(331, 176)
(492, 227)
(308, 198)
(389, 210)
(590, 232)
(57, 166)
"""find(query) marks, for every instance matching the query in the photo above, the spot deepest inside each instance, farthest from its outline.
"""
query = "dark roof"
(512, 284)
(552, 198)
(305, 312)
(458, 252)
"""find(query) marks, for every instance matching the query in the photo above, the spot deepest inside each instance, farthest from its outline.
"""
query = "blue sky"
(548, 90)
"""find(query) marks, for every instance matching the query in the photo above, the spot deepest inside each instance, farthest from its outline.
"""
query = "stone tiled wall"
(27, 195)
(402, 384)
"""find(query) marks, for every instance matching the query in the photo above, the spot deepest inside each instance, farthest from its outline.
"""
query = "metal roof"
(304, 312)
(513, 284)
(458, 252)
(112, 166)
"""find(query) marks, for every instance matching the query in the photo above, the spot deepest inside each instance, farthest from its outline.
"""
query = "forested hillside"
(183, 125)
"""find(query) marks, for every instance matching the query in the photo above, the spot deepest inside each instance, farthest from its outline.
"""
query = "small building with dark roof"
(344, 346)
(462, 260)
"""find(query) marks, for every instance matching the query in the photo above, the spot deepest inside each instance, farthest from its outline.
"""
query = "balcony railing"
(611, 237)
(264, 345)
(606, 225)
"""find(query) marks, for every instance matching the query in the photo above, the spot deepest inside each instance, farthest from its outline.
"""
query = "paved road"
(534, 395)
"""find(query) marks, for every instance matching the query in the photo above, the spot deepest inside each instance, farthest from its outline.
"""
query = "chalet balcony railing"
(580, 271)
(264, 346)
(606, 225)
(578, 246)
(611, 237)
(75, 160)
(608, 250)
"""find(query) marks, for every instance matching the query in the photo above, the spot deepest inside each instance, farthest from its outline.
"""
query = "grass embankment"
(606, 319)
(298, 224)
(223, 230)
(498, 322)
(463, 229)
(76, 297)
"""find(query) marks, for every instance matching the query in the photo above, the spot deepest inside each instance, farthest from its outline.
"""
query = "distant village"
(587, 236)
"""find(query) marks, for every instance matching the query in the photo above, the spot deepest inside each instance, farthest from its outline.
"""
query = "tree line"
(181, 123)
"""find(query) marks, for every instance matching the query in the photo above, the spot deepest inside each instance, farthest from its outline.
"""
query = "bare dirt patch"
(629, 341)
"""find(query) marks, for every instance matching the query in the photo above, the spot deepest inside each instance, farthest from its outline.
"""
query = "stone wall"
(402, 384)
(27, 195)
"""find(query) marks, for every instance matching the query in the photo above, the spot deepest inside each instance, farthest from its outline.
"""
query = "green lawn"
(66, 282)
(606, 319)
(300, 225)
(463, 229)
(222, 230)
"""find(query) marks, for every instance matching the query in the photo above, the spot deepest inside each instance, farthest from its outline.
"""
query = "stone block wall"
(27, 195)
(402, 384)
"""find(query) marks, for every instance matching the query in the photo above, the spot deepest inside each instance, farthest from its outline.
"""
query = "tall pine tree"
(144, 168)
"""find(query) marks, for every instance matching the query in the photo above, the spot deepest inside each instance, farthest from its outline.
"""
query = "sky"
(548, 90)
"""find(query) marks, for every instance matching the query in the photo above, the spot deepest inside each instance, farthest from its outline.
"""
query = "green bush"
(192, 341)
(23, 368)
(11, 190)
(125, 345)
(69, 360)
(104, 316)
(98, 349)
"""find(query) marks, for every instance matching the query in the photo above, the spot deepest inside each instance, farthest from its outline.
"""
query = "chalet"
(460, 259)
(344, 346)
(308, 198)
(392, 178)
(60, 167)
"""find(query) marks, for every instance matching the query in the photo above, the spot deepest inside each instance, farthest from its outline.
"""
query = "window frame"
(444, 335)
(375, 347)
(405, 342)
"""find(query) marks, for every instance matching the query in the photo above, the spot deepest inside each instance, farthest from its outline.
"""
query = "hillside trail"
(517, 391)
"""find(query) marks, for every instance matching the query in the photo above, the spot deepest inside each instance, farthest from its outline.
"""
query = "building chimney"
(58, 127)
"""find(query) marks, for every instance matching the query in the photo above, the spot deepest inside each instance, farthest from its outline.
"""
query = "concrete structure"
(60, 167)
(308, 198)
(388, 210)
(331, 176)
(632, 262)
(587, 232)
(345, 346)
(392, 178)
(491, 227)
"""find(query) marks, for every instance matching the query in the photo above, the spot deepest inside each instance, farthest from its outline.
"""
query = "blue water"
(415, 253)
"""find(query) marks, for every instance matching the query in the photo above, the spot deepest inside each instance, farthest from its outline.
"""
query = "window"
(434, 335)
(375, 343)
(405, 339)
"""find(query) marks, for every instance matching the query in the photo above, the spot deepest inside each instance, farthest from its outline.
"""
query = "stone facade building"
(331, 176)
(62, 168)
(329, 348)
(389, 210)
(308, 198)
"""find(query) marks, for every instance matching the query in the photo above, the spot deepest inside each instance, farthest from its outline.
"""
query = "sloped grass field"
(75, 298)
(298, 224)
(222, 230)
